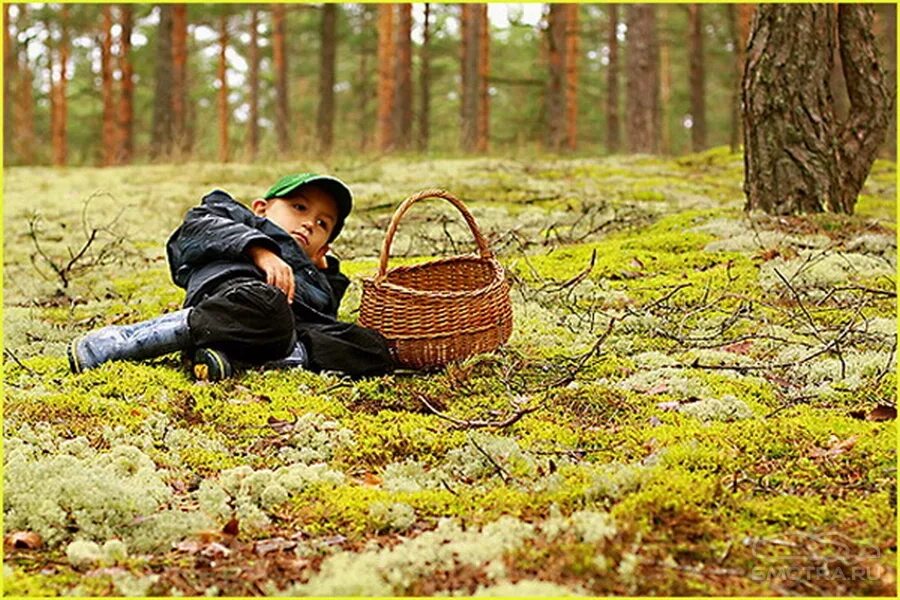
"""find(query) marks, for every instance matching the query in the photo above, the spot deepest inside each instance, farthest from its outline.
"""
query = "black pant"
(251, 321)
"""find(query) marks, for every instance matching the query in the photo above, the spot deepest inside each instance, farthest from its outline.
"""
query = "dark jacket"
(208, 249)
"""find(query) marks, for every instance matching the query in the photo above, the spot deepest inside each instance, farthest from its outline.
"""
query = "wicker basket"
(441, 310)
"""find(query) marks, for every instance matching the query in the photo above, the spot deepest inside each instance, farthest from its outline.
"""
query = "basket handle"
(483, 248)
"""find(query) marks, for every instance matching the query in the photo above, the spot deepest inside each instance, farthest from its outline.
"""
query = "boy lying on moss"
(261, 289)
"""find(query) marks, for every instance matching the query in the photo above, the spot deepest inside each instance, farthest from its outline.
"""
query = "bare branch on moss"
(468, 424)
(582, 360)
(501, 472)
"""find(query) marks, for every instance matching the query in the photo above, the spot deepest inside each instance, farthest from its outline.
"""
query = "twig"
(15, 359)
(500, 470)
(800, 304)
(465, 424)
(582, 360)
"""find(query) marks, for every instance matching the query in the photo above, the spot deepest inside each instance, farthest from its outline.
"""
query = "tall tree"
(642, 90)
(555, 95)
(9, 63)
(179, 78)
(739, 16)
(253, 81)
(665, 85)
(402, 113)
(222, 76)
(798, 157)
(109, 129)
(697, 78)
(328, 37)
(279, 58)
(474, 78)
(612, 82)
(161, 132)
(58, 85)
(385, 136)
(126, 96)
(362, 86)
(571, 87)
(484, 71)
(424, 82)
(23, 142)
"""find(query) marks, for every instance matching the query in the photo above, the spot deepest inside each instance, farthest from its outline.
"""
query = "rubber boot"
(209, 364)
(147, 339)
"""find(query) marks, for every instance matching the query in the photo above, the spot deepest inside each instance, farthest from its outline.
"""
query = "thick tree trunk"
(613, 139)
(179, 78)
(279, 58)
(424, 83)
(108, 135)
(402, 114)
(798, 157)
(697, 79)
(222, 76)
(386, 57)
(325, 120)
(126, 96)
(161, 134)
(642, 90)
(665, 88)
(253, 81)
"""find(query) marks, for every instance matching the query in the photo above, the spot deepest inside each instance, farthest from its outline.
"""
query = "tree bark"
(665, 88)
(739, 16)
(161, 134)
(571, 88)
(222, 76)
(474, 103)
(279, 58)
(385, 139)
(253, 81)
(24, 141)
(613, 139)
(108, 129)
(697, 79)
(642, 90)
(889, 18)
(798, 157)
(424, 83)
(179, 78)
(556, 55)
(60, 143)
(9, 64)
(402, 114)
(325, 120)
(484, 71)
(126, 96)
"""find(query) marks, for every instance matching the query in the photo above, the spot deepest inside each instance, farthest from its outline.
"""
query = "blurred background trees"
(120, 83)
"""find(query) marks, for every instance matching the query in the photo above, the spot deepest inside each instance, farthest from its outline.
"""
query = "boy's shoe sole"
(74, 363)
(210, 365)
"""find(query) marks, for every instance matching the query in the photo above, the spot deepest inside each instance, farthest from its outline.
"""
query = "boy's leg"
(244, 320)
(346, 347)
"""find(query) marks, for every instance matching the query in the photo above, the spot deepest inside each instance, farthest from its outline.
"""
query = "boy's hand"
(278, 272)
(319, 259)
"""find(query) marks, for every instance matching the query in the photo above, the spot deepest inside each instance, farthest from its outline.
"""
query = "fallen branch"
(466, 424)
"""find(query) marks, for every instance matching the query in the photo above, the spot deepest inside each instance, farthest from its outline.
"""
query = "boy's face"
(309, 215)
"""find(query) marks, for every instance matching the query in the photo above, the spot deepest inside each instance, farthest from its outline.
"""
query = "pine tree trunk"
(325, 120)
(556, 55)
(386, 57)
(179, 78)
(222, 76)
(739, 16)
(571, 88)
(642, 90)
(484, 69)
(424, 83)
(126, 97)
(279, 58)
(253, 81)
(473, 106)
(108, 130)
(798, 157)
(362, 86)
(161, 133)
(8, 78)
(665, 91)
(402, 113)
(60, 147)
(613, 139)
(24, 141)
(697, 79)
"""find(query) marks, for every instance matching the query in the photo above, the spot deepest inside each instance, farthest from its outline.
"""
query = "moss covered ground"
(706, 397)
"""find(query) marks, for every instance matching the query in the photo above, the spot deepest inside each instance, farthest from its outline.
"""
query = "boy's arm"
(338, 281)
(218, 229)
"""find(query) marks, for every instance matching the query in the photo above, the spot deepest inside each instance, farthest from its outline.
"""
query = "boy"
(260, 289)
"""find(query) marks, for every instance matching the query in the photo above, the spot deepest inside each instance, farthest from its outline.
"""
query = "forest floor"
(703, 401)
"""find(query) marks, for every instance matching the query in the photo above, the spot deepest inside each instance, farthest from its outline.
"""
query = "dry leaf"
(215, 550)
(837, 447)
(739, 347)
(659, 388)
(263, 547)
(882, 412)
(636, 262)
(280, 426)
(25, 540)
(231, 527)
(371, 479)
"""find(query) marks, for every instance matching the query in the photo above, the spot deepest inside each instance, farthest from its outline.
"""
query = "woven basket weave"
(441, 310)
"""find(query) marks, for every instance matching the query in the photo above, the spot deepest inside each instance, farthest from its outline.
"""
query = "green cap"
(337, 188)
